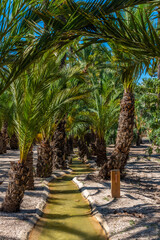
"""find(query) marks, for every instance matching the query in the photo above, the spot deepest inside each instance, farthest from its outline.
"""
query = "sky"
(144, 75)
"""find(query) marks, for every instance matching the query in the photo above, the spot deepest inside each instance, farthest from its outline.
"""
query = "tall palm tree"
(130, 69)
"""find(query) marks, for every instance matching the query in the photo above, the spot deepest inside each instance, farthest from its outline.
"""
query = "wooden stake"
(115, 183)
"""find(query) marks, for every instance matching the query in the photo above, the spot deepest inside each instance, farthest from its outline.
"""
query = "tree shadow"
(61, 227)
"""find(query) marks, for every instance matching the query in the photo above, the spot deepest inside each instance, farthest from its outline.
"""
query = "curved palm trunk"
(124, 138)
(18, 177)
(59, 158)
(45, 160)
(101, 151)
(14, 142)
(29, 163)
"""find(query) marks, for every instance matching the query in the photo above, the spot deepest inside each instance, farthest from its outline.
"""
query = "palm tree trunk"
(1, 143)
(83, 150)
(29, 163)
(4, 132)
(93, 147)
(68, 147)
(18, 177)
(14, 142)
(138, 139)
(59, 158)
(45, 160)
(101, 152)
(124, 138)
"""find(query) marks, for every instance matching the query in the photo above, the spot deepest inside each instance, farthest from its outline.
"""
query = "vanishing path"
(67, 214)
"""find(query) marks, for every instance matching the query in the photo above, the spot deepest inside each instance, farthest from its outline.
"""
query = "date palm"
(53, 131)
(29, 93)
(97, 114)
(129, 71)
(5, 103)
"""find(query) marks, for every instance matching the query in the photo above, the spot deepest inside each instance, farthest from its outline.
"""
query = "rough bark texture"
(68, 147)
(101, 152)
(1, 143)
(83, 150)
(124, 138)
(88, 138)
(14, 142)
(70, 144)
(138, 139)
(58, 143)
(45, 160)
(93, 148)
(18, 177)
(4, 133)
(29, 163)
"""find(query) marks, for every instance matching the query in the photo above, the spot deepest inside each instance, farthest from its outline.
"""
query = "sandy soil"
(136, 215)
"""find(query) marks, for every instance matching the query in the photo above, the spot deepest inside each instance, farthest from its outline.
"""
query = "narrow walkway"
(67, 214)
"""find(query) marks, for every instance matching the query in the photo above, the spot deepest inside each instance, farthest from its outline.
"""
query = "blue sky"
(144, 75)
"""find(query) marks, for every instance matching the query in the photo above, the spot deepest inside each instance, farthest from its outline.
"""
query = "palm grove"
(69, 78)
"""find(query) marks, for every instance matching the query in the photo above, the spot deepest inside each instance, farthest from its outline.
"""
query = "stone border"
(40, 206)
(93, 205)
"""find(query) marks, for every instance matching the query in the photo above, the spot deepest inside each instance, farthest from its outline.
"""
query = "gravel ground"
(16, 226)
(136, 215)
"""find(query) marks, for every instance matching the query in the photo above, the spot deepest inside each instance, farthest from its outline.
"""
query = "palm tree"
(98, 113)
(14, 142)
(29, 92)
(104, 22)
(130, 70)
(5, 118)
(147, 108)
(58, 144)
(54, 132)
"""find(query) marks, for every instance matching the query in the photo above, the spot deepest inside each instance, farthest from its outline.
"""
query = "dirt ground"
(136, 214)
